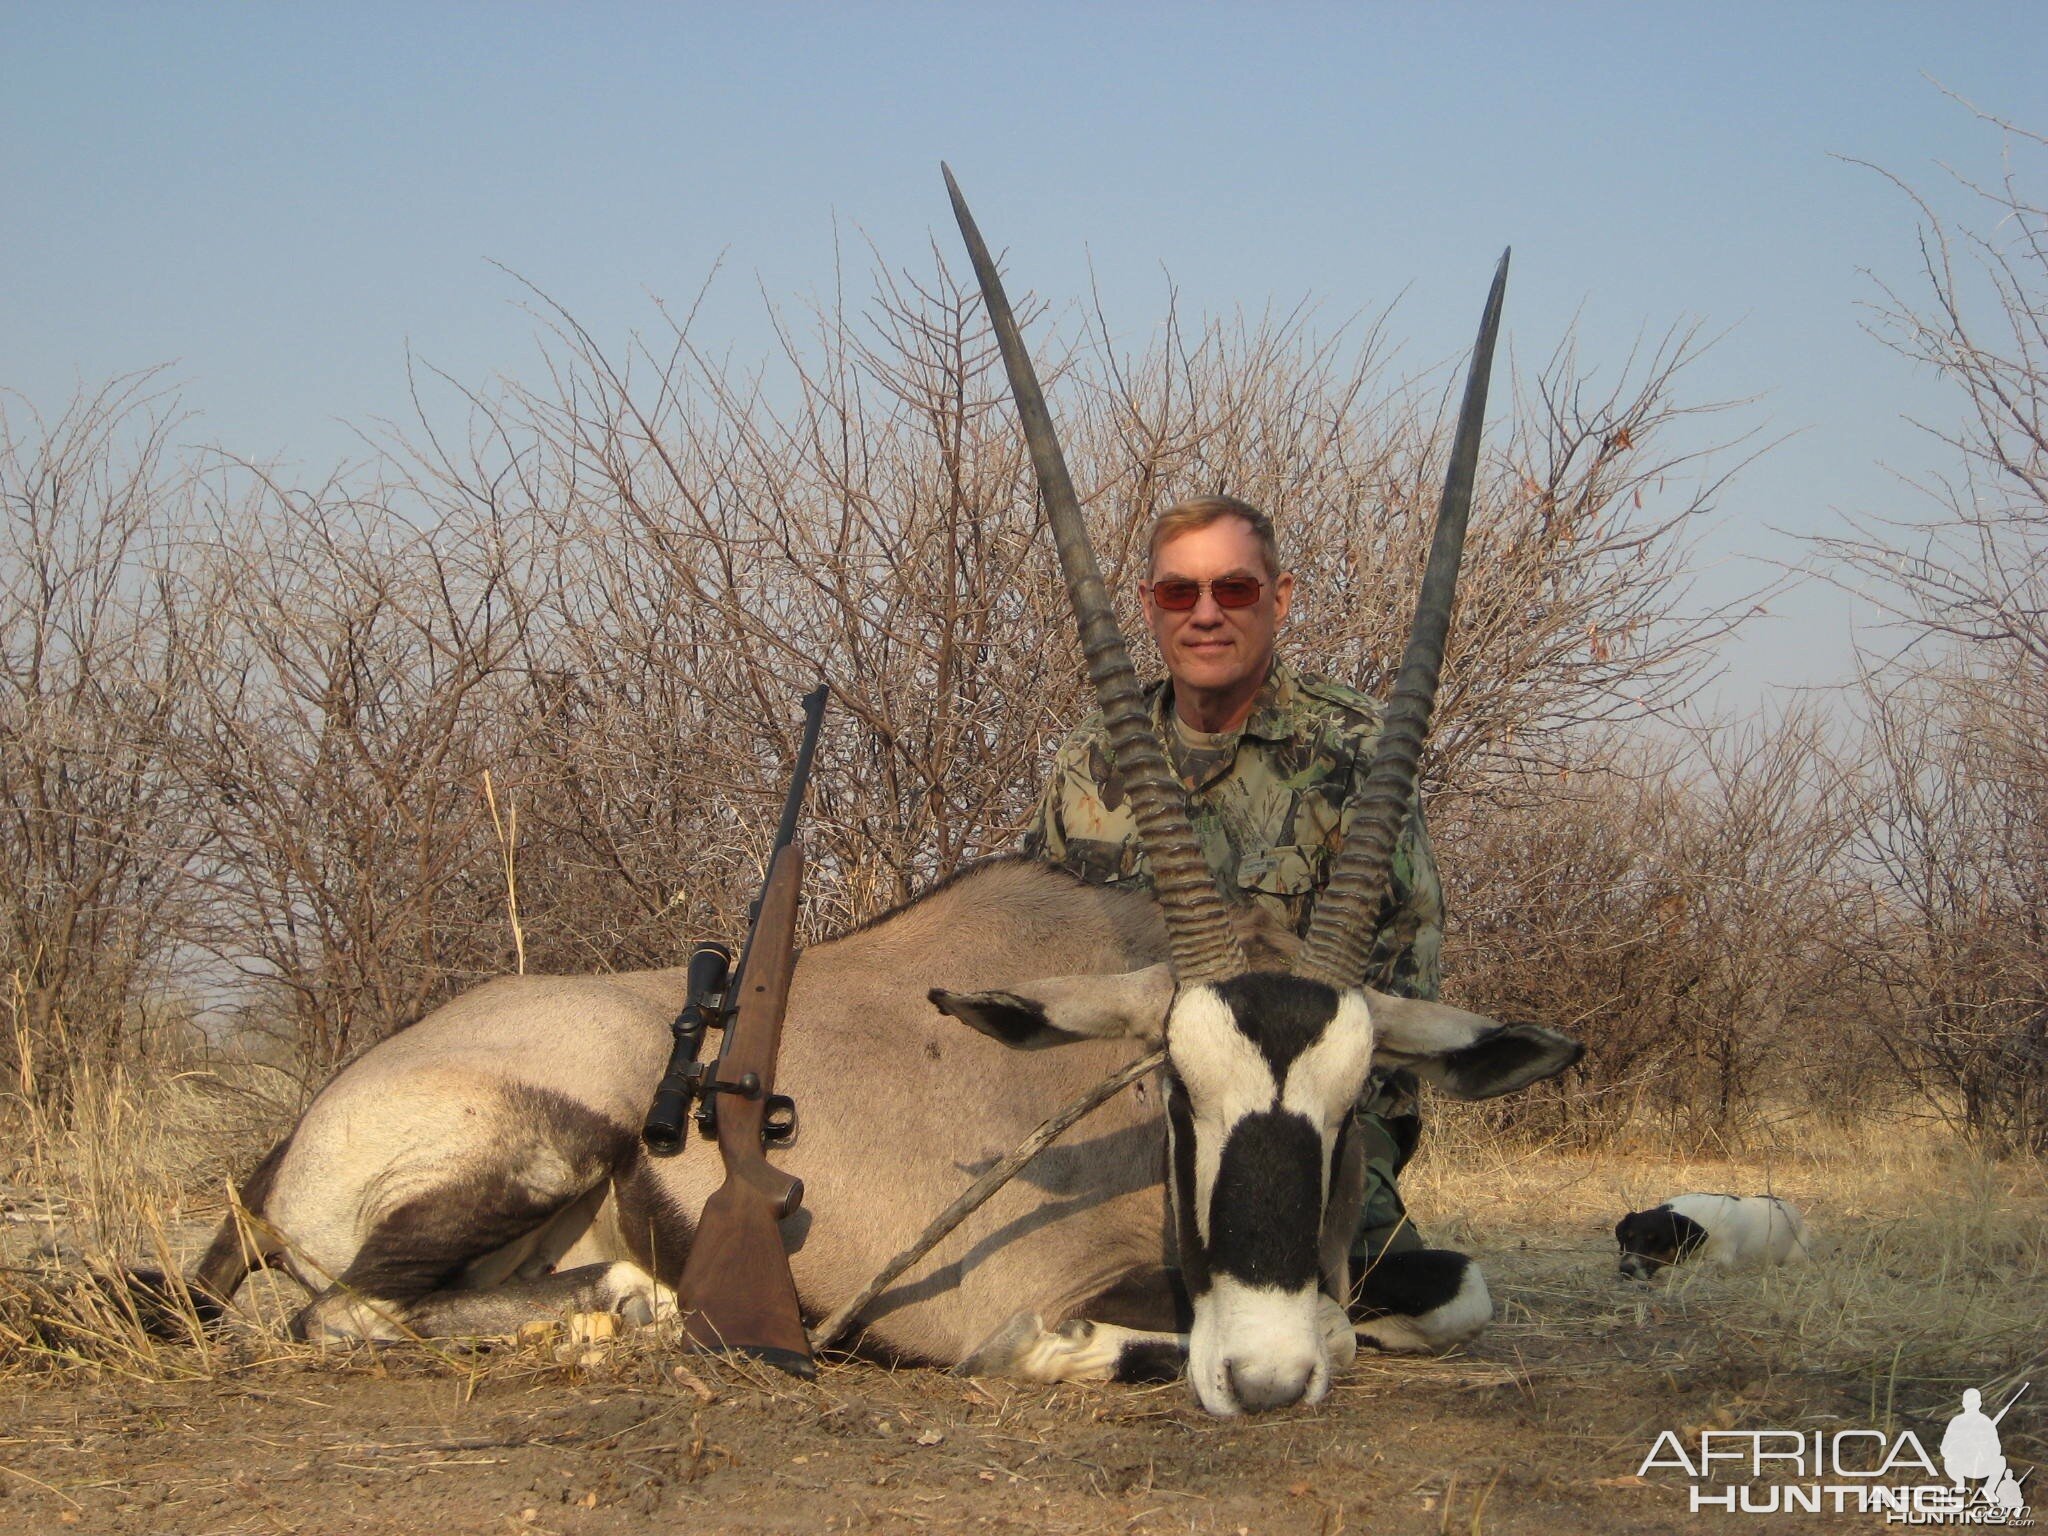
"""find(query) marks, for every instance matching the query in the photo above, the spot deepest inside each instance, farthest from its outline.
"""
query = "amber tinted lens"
(1177, 594)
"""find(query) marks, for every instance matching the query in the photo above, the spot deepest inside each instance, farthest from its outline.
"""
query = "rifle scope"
(668, 1116)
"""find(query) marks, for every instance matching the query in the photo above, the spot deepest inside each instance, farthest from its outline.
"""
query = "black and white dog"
(1733, 1231)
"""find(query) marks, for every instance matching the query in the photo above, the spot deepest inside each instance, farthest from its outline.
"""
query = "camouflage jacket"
(1270, 803)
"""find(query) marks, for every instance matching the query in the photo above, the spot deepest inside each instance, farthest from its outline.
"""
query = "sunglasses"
(1177, 594)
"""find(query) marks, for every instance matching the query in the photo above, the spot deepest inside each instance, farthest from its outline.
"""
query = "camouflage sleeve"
(1074, 828)
(1418, 971)
(1045, 837)
(1407, 951)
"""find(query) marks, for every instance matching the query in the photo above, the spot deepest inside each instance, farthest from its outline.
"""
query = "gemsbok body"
(483, 1167)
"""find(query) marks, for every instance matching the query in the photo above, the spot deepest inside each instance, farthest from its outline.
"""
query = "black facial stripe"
(1180, 1169)
(1265, 1213)
(1333, 1184)
(1282, 1015)
(1337, 1152)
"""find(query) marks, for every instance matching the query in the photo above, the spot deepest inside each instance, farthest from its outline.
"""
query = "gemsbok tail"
(167, 1307)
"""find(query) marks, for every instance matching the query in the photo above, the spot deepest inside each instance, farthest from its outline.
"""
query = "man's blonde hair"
(1187, 516)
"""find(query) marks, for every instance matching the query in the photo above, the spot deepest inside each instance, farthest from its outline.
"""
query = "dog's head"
(1650, 1240)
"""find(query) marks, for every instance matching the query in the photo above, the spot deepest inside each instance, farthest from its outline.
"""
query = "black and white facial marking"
(1265, 1071)
(1651, 1240)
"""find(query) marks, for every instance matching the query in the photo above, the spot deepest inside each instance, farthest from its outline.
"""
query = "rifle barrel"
(792, 805)
(814, 718)
(2010, 1401)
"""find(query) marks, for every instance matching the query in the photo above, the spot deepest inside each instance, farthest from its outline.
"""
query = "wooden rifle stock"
(735, 1293)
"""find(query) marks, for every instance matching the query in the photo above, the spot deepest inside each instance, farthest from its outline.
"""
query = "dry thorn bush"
(607, 594)
(1951, 855)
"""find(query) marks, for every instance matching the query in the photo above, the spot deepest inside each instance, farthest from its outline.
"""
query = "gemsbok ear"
(1467, 1055)
(1062, 1009)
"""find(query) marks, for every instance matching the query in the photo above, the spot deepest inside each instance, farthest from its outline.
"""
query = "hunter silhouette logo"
(1970, 1453)
(1860, 1471)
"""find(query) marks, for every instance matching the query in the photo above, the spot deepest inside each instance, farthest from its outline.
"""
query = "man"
(1272, 760)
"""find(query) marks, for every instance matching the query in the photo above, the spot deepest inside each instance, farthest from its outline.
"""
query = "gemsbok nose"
(1269, 1382)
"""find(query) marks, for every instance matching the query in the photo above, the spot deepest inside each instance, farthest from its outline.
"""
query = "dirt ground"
(1934, 1278)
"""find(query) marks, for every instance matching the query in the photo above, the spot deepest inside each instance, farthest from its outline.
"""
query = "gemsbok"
(483, 1167)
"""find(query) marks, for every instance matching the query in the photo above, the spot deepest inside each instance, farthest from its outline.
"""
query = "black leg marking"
(426, 1244)
(158, 1302)
(1407, 1284)
(1147, 1301)
(1425, 1299)
(657, 1228)
(1151, 1360)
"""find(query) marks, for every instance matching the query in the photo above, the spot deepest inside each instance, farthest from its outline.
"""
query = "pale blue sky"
(279, 202)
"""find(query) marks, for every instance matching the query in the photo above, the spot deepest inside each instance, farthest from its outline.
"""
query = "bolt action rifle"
(735, 1292)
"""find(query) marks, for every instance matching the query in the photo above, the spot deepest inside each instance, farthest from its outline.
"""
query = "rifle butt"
(735, 1293)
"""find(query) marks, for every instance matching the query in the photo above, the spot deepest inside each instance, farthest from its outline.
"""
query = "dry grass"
(136, 1175)
(1932, 1276)
(1930, 1272)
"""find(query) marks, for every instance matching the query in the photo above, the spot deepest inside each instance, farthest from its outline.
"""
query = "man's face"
(1211, 648)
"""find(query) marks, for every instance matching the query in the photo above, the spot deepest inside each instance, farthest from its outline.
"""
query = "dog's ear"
(1623, 1227)
(1686, 1234)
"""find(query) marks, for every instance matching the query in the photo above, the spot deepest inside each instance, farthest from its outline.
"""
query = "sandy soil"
(1498, 1441)
(1934, 1281)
